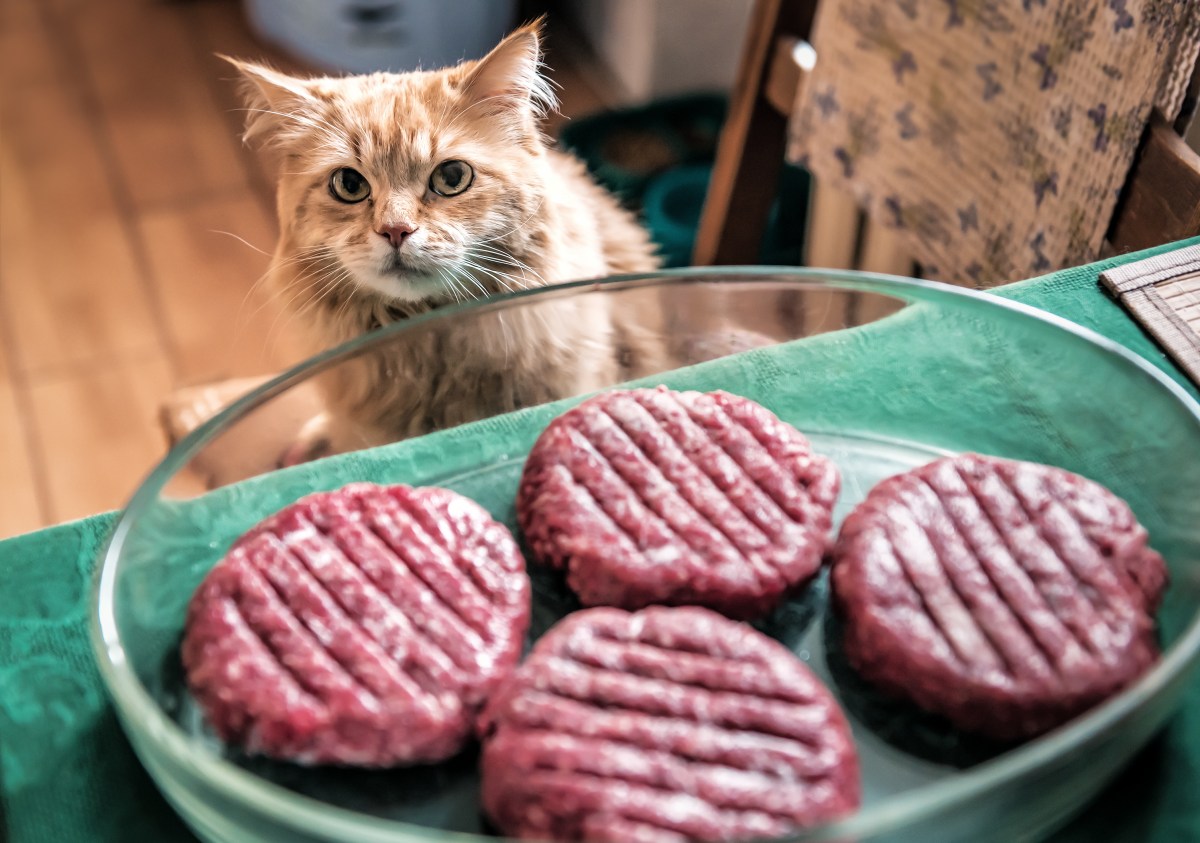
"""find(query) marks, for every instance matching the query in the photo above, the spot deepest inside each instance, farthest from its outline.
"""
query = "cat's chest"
(436, 377)
(442, 372)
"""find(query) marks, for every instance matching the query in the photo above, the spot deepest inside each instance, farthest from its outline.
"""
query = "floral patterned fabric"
(994, 134)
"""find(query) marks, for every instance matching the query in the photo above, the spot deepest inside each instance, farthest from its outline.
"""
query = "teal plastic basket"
(673, 201)
(626, 149)
(658, 159)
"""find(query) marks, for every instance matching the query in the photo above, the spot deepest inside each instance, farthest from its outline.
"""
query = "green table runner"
(67, 773)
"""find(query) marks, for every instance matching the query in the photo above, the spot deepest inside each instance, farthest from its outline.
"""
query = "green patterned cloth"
(68, 774)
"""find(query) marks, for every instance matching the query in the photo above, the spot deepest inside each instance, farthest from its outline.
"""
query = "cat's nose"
(396, 232)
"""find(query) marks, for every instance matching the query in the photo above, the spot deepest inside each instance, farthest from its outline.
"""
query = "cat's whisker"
(499, 256)
(491, 251)
(452, 274)
(341, 282)
(301, 254)
(298, 285)
(292, 264)
(451, 284)
(460, 288)
(475, 267)
(445, 111)
(446, 283)
(462, 112)
(467, 291)
(508, 282)
(504, 259)
(240, 239)
(506, 339)
(542, 98)
(287, 315)
(332, 283)
(342, 311)
(304, 284)
(497, 259)
(307, 253)
(549, 333)
(325, 285)
(242, 318)
(317, 258)
(306, 119)
(312, 269)
(316, 278)
(525, 282)
(441, 276)
(470, 277)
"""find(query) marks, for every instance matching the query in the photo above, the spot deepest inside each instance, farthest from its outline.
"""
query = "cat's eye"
(349, 185)
(451, 178)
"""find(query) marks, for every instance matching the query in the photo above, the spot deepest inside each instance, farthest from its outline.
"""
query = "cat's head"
(400, 184)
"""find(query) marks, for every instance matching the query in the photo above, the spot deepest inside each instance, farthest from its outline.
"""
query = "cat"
(401, 193)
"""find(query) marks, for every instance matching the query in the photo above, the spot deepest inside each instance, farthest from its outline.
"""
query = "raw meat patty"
(667, 724)
(1006, 596)
(652, 496)
(363, 626)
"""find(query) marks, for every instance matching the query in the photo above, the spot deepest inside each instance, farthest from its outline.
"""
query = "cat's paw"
(312, 443)
(711, 346)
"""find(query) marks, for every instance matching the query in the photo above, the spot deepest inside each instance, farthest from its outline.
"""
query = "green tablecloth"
(67, 773)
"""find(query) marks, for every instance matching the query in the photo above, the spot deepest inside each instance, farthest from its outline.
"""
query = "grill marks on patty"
(664, 723)
(652, 496)
(363, 626)
(1006, 596)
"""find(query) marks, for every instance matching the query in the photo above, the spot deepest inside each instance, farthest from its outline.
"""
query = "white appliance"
(660, 48)
(360, 36)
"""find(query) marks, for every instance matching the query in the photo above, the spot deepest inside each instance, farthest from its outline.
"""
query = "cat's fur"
(532, 216)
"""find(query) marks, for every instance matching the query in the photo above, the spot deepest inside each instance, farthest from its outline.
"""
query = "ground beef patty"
(1007, 596)
(652, 496)
(667, 724)
(363, 626)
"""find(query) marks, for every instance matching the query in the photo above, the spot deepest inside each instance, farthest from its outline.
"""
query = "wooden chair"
(1160, 201)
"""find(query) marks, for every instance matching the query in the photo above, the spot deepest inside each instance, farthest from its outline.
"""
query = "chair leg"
(884, 251)
(830, 242)
(750, 154)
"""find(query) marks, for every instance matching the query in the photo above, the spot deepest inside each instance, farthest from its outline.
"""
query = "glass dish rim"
(135, 705)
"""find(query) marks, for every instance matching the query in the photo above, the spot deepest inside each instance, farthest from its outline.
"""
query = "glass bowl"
(883, 374)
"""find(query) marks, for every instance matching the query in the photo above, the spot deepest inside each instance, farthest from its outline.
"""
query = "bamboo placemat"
(1163, 294)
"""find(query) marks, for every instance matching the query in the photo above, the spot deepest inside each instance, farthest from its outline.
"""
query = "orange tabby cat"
(402, 192)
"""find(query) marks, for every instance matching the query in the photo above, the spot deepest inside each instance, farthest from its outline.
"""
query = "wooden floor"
(133, 226)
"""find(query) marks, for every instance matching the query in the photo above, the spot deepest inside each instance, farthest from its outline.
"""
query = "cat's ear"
(277, 105)
(509, 78)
